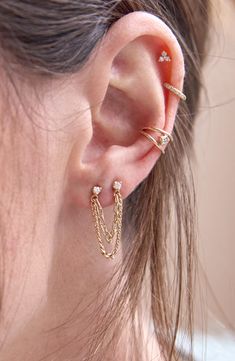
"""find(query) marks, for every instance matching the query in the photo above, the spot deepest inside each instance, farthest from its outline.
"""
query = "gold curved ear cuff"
(164, 137)
(175, 91)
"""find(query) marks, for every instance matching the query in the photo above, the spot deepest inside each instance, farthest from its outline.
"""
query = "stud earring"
(101, 229)
(163, 140)
(175, 91)
(164, 57)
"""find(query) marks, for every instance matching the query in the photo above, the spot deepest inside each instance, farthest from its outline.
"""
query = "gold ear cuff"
(175, 91)
(162, 141)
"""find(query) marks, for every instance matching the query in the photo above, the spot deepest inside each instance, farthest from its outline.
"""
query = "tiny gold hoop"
(175, 91)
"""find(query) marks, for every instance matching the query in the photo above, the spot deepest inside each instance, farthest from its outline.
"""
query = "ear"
(124, 88)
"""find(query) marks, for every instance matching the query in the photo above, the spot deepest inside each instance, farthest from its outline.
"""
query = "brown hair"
(56, 37)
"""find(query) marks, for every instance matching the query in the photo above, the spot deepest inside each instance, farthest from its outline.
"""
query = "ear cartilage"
(164, 57)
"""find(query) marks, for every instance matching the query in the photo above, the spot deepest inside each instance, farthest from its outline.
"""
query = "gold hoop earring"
(163, 140)
(175, 91)
(99, 221)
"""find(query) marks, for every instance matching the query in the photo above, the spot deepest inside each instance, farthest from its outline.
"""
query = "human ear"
(124, 88)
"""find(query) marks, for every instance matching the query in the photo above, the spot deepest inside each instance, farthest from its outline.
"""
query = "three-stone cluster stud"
(164, 57)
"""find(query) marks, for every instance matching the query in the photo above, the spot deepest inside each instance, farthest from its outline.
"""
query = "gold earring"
(163, 140)
(175, 91)
(99, 221)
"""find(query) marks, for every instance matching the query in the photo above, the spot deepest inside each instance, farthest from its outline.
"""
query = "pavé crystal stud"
(164, 57)
(117, 185)
(96, 190)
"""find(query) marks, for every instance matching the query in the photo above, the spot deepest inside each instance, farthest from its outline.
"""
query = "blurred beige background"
(215, 168)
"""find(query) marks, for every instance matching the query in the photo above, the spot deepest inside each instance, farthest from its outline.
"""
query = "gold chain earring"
(99, 221)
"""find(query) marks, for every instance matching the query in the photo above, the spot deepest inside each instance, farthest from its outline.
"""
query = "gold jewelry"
(100, 226)
(164, 57)
(164, 139)
(175, 91)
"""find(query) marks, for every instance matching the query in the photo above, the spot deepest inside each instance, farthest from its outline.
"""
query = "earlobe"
(126, 91)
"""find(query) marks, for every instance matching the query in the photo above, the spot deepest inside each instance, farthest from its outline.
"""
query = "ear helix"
(165, 58)
(163, 137)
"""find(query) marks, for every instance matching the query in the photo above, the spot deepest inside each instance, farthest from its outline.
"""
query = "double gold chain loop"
(102, 232)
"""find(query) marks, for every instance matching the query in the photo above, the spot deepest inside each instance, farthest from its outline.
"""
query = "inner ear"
(133, 97)
(120, 114)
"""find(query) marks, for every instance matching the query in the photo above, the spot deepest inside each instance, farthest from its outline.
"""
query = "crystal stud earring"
(164, 57)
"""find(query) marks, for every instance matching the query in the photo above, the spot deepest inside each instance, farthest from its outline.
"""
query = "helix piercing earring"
(99, 221)
(164, 57)
(175, 91)
(163, 140)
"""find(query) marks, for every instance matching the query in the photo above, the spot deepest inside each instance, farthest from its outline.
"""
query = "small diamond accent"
(117, 185)
(96, 190)
(164, 57)
(164, 139)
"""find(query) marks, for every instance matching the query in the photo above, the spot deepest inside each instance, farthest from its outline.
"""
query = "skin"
(68, 134)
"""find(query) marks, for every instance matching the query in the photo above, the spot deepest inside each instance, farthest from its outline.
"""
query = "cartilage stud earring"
(164, 57)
